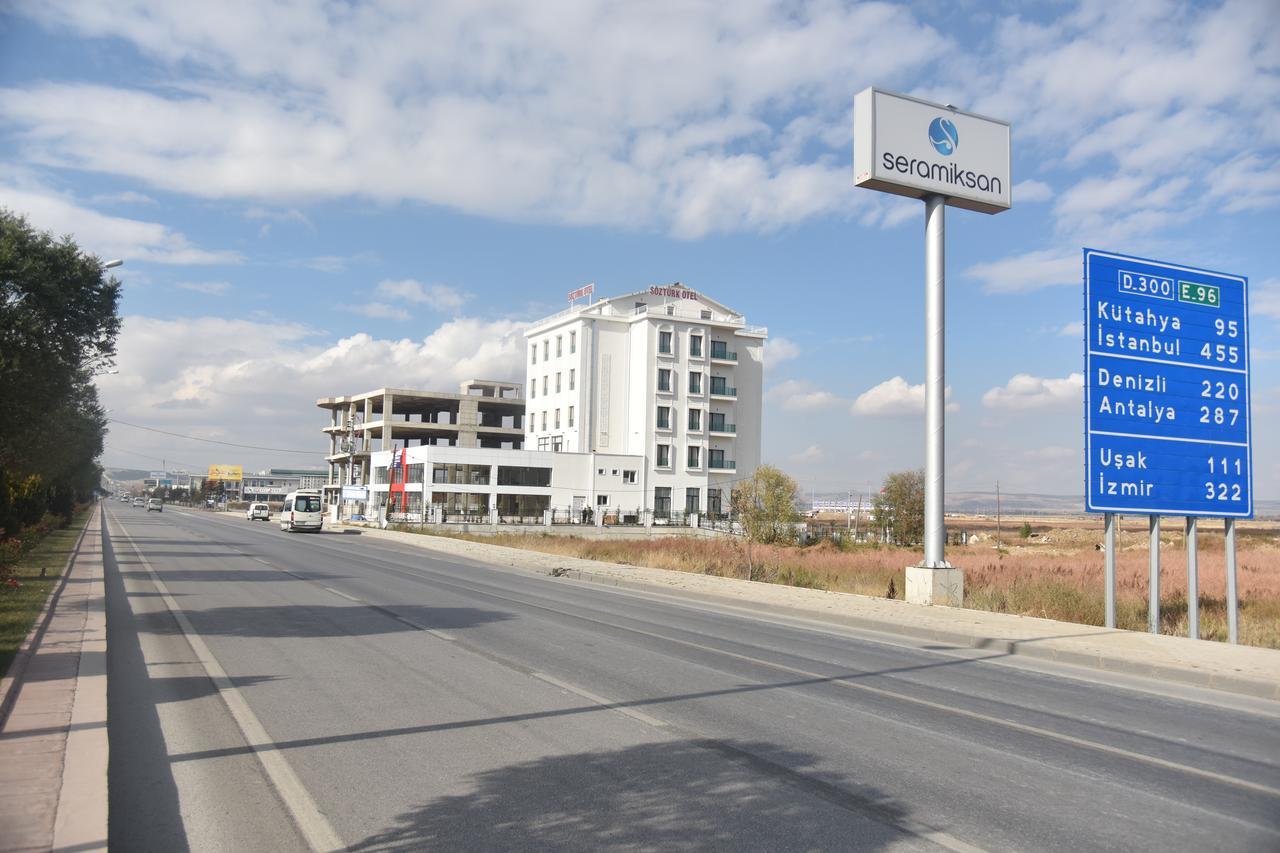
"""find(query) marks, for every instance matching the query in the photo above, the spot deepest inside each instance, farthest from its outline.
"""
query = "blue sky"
(322, 199)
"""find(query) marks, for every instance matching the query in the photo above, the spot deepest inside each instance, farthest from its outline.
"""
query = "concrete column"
(468, 422)
(388, 439)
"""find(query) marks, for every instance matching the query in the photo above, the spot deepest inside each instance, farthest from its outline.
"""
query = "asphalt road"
(333, 690)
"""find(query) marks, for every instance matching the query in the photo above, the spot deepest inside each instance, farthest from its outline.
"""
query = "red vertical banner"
(399, 473)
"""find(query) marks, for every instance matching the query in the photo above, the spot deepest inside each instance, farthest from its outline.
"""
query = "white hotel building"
(666, 374)
(639, 409)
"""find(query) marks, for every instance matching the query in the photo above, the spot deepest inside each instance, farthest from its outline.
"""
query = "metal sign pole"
(1233, 603)
(1153, 589)
(934, 380)
(1193, 582)
(1110, 572)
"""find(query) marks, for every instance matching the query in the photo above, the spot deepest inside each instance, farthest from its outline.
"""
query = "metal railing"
(723, 427)
(723, 354)
(723, 391)
(722, 465)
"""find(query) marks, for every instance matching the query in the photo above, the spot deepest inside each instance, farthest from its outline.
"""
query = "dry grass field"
(1055, 573)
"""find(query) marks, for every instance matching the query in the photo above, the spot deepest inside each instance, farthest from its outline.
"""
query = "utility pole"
(997, 516)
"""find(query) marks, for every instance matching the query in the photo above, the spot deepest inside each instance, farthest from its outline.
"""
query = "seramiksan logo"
(945, 139)
(943, 136)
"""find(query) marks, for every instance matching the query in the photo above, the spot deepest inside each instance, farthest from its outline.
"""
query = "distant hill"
(125, 475)
(1013, 503)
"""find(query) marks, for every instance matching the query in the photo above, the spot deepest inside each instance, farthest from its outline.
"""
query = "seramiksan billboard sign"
(916, 148)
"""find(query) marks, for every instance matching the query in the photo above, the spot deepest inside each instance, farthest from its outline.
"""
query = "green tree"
(766, 508)
(58, 327)
(899, 508)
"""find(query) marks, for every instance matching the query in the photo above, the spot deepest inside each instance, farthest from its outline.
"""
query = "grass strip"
(19, 606)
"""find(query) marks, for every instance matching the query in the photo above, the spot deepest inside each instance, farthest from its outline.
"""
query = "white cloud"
(590, 114)
(1264, 298)
(1031, 191)
(103, 235)
(437, 297)
(778, 350)
(894, 397)
(1072, 330)
(124, 197)
(812, 453)
(378, 311)
(1024, 391)
(798, 395)
(209, 288)
(1028, 271)
(257, 381)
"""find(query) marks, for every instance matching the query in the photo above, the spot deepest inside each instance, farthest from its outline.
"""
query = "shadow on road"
(180, 688)
(684, 795)
(220, 576)
(298, 620)
(142, 799)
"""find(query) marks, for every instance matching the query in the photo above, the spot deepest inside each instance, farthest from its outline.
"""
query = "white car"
(139, 502)
(258, 511)
(155, 505)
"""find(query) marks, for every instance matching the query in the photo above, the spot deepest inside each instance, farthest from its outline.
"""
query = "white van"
(302, 511)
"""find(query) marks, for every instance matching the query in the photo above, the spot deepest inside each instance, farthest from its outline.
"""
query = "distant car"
(155, 504)
(258, 511)
(124, 499)
(139, 502)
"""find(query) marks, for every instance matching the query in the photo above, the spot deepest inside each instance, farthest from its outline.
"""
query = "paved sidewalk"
(1246, 670)
(53, 748)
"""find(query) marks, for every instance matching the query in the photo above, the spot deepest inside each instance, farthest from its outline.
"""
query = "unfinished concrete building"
(484, 413)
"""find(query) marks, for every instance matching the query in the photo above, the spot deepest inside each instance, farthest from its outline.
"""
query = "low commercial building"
(486, 485)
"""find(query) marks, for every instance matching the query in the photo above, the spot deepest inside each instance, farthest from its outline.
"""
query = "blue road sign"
(1166, 390)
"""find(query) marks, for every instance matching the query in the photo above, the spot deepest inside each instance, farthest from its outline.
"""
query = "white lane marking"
(311, 822)
(600, 700)
(343, 594)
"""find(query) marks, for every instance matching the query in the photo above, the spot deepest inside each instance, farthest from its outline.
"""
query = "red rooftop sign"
(585, 290)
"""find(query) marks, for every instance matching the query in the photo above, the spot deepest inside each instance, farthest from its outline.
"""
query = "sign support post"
(935, 534)
(1193, 582)
(1110, 571)
(1233, 603)
(1153, 588)
(944, 157)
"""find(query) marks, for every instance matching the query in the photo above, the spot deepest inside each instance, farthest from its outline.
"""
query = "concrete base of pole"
(935, 586)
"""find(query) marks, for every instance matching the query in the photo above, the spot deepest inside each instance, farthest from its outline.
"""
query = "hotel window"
(662, 501)
(546, 350)
(573, 342)
(664, 417)
(572, 374)
(571, 416)
(544, 420)
(533, 389)
(533, 351)
(544, 385)
(628, 476)
(695, 420)
(664, 343)
(557, 419)
(664, 456)
(664, 380)
(695, 457)
(692, 500)
(695, 382)
(559, 346)
(695, 346)
(557, 383)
